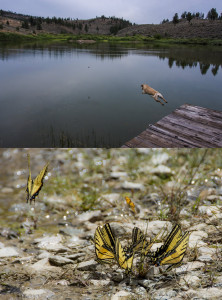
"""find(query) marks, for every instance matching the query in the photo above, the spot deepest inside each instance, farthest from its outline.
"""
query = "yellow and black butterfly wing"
(137, 240)
(103, 254)
(174, 256)
(124, 261)
(34, 186)
(108, 237)
(172, 239)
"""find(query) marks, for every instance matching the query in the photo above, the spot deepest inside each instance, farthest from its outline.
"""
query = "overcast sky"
(137, 11)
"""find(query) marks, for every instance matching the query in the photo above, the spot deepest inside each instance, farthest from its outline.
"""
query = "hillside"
(24, 24)
(195, 29)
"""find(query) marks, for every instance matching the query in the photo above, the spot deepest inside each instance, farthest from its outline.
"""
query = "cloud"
(138, 11)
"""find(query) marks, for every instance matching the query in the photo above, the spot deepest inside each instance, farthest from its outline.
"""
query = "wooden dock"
(188, 126)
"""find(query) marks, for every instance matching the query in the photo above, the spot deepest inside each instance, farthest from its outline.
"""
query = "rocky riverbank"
(46, 250)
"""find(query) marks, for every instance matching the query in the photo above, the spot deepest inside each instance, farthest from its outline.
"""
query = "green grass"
(11, 37)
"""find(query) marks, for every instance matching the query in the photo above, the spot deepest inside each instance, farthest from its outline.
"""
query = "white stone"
(155, 227)
(51, 243)
(205, 258)
(118, 175)
(57, 260)
(89, 265)
(207, 293)
(195, 239)
(190, 266)
(210, 210)
(159, 158)
(8, 252)
(43, 266)
(132, 186)
(100, 282)
(190, 280)
(89, 215)
(207, 251)
(112, 198)
(160, 170)
(35, 294)
(121, 295)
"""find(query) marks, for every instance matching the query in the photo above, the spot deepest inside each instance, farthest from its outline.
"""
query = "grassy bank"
(16, 37)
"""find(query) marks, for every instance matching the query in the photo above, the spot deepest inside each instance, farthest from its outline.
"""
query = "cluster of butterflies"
(109, 249)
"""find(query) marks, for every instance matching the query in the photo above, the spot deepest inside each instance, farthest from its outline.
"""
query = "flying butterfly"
(172, 239)
(34, 186)
(104, 245)
(124, 261)
(174, 256)
(131, 204)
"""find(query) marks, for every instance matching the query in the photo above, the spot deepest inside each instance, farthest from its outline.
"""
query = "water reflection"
(180, 56)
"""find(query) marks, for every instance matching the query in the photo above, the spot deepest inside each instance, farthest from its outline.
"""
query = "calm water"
(90, 96)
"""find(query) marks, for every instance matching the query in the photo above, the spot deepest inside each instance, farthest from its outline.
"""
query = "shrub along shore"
(16, 37)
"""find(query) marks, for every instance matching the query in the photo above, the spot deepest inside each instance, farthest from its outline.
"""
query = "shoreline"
(90, 39)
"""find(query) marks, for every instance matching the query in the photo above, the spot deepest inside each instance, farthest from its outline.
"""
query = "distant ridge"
(26, 24)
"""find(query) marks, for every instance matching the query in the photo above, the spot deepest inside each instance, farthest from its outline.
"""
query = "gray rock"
(89, 265)
(100, 282)
(57, 260)
(205, 258)
(126, 185)
(91, 216)
(8, 252)
(118, 175)
(38, 294)
(75, 256)
(122, 295)
(51, 243)
(42, 266)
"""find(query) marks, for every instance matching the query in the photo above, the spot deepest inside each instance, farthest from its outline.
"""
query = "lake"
(70, 95)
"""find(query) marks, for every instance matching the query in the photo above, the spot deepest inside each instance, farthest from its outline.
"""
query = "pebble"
(100, 282)
(51, 243)
(160, 170)
(122, 295)
(210, 210)
(57, 260)
(118, 175)
(160, 158)
(91, 216)
(111, 198)
(42, 266)
(89, 265)
(38, 293)
(127, 185)
(76, 256)
(195, 239)
(190, 266)
(8, 252)
(190, 280)
(208, 293)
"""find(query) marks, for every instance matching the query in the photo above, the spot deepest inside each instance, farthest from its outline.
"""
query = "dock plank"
(188, 126)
